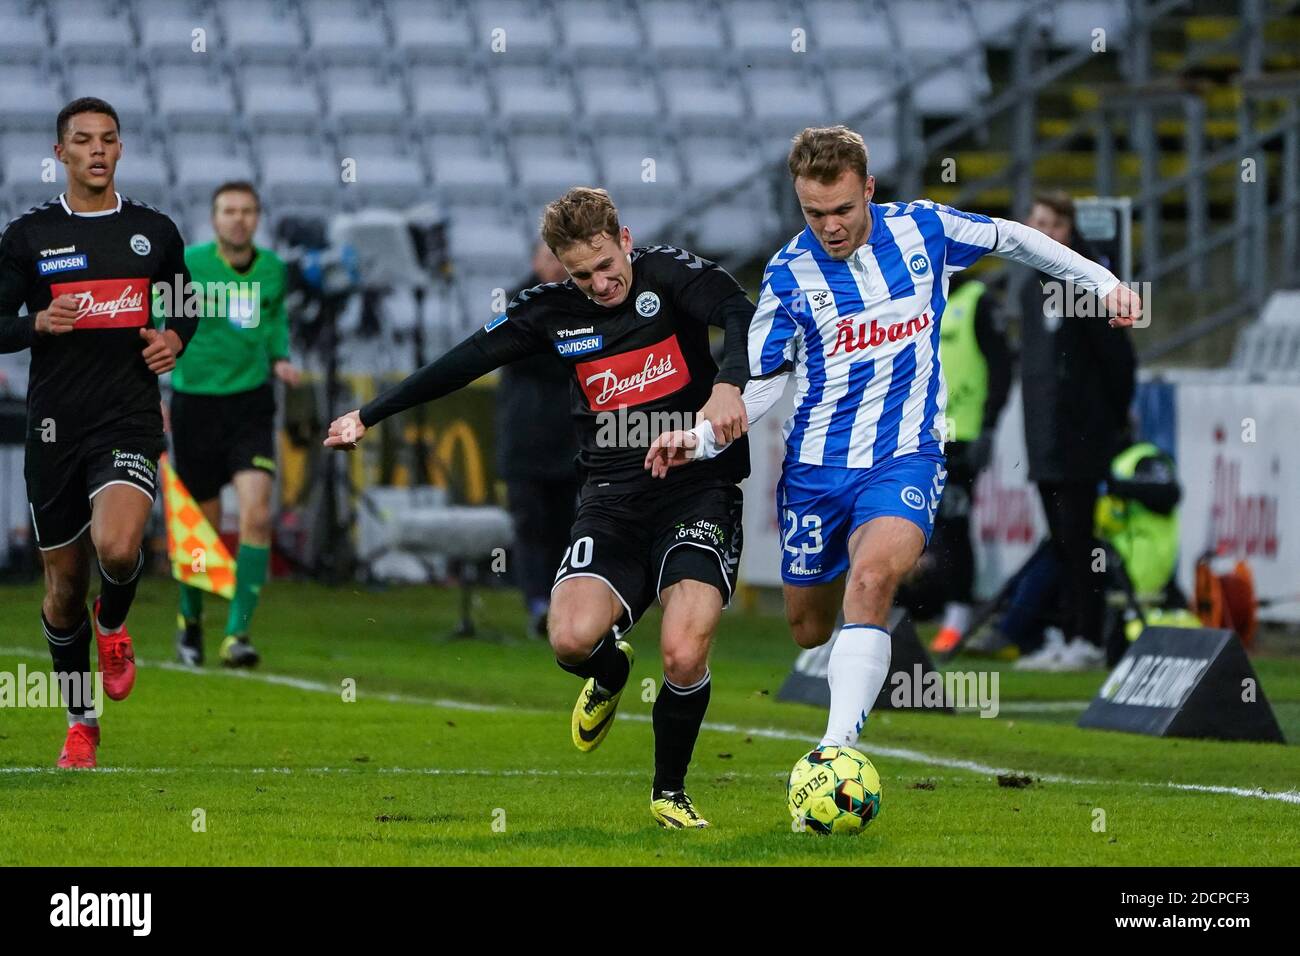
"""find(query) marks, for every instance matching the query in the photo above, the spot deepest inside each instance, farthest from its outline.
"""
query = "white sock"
(858, 668)
(956, 615)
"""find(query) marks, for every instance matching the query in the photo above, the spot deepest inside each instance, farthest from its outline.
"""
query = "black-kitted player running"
(632, 324)
(85, 265)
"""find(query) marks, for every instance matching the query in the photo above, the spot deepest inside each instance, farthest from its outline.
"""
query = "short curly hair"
(580, 215)
(823, 153)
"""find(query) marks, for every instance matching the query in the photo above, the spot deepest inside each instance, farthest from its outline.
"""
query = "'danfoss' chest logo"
(633, 378)
(107, 303)
(851, 335)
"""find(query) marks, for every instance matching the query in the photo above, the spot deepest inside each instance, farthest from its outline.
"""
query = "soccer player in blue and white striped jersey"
(853, 305)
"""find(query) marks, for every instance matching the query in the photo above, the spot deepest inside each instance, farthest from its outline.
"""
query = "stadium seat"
(999, 23)
(308, 177)
(24, 37)
(383, 179)
(951, 92)
(549, 165)
(861, 96)
(703, 101)
(94, 32)
(258, 32)
(613, 101)
(646, 223)
(467, 170)
(489, 237)
(272, 101)
(167, 31)
(199, 170)
(25, 182)
(449, 99)
(527, 30)
(481, 292)
(345, 32)
(142, 174)
(1074, 20)
(531, 98)
(122, 87)
(915, 22)
(195, 97)
(428, 32)
(850, 27)
(625, 162)
(600, 31)
(720, 229)
(713, 162)
(28, 101)
(764, 32)
(784, 101)
(679, 32)
(365, 100)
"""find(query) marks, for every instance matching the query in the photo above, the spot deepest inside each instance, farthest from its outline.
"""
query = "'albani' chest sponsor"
(107, 303)
(633, 378)
(853, 334)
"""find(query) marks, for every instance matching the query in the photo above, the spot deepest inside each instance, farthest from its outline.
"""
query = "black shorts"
(642, 542)
(215, 436)
(61, 486)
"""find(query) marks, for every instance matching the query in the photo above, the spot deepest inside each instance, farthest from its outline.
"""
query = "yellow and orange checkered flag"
(198, 556)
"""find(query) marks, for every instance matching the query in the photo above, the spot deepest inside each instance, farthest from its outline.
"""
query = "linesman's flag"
(197, 554)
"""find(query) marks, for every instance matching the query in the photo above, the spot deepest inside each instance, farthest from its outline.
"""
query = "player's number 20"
(580, 552)
(811, 524)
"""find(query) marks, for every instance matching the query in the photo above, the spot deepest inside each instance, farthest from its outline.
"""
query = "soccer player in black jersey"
(85, 264)
(632, 325)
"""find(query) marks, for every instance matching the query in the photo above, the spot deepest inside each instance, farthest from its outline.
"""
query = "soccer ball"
(834, 790)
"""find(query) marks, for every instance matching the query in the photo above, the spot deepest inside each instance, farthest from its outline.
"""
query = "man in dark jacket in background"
(1077, 384)
(537, 461)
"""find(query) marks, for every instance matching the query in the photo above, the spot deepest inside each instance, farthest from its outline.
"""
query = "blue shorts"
(818, 507)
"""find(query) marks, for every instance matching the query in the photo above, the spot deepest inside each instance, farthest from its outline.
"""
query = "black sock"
(677, 715)
(70, 652)
(115, 597)
(607, 664)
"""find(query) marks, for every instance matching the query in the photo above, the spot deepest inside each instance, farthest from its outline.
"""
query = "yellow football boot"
(674, 811)
(593, 714)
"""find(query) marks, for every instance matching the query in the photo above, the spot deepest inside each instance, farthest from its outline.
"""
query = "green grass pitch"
(457, 752)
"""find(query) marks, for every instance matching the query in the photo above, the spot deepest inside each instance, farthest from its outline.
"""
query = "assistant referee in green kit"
(223, 407)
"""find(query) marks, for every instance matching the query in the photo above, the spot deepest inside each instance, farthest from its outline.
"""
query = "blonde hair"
(822, 153)
(580, 215)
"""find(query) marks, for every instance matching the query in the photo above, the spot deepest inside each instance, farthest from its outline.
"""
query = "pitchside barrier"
(1180, 682)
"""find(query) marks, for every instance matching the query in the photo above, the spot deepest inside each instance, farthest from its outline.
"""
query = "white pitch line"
(912, 756)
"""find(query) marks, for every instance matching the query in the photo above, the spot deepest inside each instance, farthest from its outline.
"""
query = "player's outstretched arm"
(1021, 243)
(489, 348)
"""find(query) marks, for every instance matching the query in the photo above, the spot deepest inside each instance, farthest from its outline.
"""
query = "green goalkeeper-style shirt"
(243, 329)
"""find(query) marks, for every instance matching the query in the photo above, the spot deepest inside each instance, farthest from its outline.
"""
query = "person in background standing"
(537, 461)
(1077, 385)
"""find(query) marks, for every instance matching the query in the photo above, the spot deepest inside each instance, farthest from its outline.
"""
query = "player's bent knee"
(573, 636)
(118, 558)
(808, 627)
(685, 657)
(873, 585)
